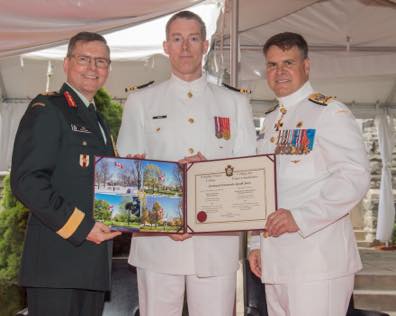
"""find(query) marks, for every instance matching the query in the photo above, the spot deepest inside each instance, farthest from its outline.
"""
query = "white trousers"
(163, 294)
(316, 298)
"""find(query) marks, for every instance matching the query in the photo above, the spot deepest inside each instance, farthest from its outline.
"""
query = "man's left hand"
(279, 222)
(100, 233)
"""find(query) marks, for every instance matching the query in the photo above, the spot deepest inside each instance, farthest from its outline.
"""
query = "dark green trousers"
(64, 302)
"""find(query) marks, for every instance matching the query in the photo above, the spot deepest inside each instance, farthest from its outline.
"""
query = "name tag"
(159, 117)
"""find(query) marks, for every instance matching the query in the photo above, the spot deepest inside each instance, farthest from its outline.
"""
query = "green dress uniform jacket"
(52, 175)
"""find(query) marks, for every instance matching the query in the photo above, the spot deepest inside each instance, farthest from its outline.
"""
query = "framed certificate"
(140, 195)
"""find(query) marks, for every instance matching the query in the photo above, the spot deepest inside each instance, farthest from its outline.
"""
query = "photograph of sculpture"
(136, 195)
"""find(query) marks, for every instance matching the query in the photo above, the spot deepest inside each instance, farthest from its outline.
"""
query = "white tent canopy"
(27, 25)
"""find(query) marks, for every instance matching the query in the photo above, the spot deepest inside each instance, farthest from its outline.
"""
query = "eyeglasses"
(100, 62)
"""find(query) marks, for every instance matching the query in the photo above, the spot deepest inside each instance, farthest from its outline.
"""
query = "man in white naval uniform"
(179, 119)
(308, 255)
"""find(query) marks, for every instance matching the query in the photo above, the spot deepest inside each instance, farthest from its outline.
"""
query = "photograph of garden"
(137, 195)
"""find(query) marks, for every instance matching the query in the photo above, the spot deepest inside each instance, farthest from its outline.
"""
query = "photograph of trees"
(139, 195)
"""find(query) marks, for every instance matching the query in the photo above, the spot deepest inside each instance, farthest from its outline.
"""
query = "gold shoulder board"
(320, 99)
(240, 90)
(271, 109)
(134, 88)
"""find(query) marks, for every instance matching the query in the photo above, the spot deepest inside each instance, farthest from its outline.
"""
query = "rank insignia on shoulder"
(271, 109)
(38, 104)
(320, 99)
(240, 90)
(134, 88)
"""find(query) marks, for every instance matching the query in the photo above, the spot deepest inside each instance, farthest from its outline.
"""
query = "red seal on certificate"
(201, 216)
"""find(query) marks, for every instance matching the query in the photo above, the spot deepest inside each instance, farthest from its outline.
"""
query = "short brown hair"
(85, 37)
(188, 15)
(285, 41)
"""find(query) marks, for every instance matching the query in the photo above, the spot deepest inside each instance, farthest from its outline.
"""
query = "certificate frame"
(162, 197)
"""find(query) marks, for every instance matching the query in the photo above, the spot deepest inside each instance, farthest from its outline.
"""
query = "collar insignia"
(69, 99)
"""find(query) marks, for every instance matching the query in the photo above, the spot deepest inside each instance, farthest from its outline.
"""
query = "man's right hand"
(255, 262)
(100, 233)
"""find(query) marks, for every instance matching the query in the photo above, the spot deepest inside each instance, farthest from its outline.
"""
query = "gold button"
(191, 150)
(189, 94)
(157, 129)
(283, 110)
(272, 139)
(84, 143)
(191, 120)
(299, 124)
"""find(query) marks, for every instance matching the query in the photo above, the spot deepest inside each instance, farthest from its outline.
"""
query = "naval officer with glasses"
(65, 263)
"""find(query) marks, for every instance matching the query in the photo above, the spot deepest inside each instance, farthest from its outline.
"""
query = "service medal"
(218, 132)
(227, 129)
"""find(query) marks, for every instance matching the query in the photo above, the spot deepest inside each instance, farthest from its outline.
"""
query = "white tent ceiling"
(27, 25)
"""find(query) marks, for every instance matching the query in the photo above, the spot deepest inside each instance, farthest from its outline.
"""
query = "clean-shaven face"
(185, 47)
(89, 78)
(287, 70)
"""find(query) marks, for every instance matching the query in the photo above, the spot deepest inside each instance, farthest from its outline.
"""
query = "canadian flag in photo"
(119, 165)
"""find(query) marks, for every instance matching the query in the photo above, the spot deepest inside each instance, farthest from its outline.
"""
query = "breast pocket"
(78, 154)
(297, 166)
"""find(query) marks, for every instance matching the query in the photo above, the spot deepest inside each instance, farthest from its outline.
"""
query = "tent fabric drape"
(36, 24)
(386, 208)
(10, 115)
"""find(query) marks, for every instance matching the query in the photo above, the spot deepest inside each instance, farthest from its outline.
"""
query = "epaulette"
(271, 109)
(133, 88)
(240, 90)
(320, 99)
(50, 93)
(39, 101)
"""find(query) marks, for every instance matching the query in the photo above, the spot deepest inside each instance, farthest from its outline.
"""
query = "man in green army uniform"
(66, 257)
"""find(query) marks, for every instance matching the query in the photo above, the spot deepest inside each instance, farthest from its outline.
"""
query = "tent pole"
(234, 43)
(3, 92)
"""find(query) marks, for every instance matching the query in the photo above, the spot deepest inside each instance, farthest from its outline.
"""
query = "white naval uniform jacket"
(319, 188)
(168, 122)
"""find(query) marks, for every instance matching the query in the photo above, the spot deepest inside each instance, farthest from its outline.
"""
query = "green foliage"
(394, 235)
(111, 111)
(102, 210)
(13, 218)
